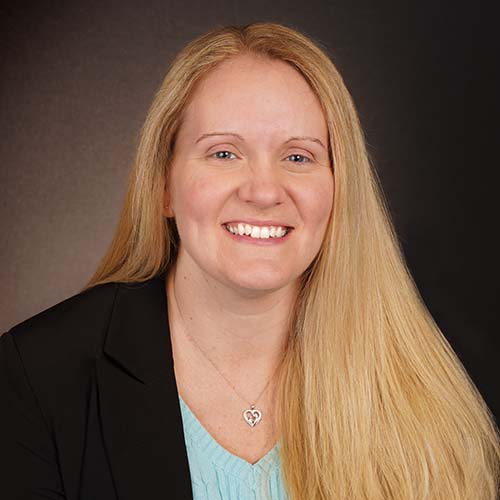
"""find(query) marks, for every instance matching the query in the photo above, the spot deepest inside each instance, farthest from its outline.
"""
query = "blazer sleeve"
(28, 456)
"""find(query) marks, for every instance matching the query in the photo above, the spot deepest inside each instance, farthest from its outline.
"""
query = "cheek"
(316, 203)
(199, 200)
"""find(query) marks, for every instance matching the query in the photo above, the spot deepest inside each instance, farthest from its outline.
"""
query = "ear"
(167, 209)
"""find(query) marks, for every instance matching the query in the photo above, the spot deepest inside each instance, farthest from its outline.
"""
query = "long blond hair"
(373, 404)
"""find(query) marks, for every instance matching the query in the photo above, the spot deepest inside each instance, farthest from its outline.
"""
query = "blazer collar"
(138, 336)
(138, 399)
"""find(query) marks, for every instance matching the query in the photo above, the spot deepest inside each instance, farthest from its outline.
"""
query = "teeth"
(257, 231)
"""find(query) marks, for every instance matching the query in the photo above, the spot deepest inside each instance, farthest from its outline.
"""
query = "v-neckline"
(205, 442)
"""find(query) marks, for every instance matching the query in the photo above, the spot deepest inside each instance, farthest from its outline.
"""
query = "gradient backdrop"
(77, 80)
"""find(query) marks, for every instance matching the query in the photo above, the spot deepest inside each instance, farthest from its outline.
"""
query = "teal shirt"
(217, 474)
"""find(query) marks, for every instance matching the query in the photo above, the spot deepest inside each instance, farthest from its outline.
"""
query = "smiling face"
(251, 185)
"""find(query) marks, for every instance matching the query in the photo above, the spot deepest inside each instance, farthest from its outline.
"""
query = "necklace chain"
(252, 416)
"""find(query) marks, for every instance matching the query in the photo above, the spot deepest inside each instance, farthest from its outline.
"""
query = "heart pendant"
(252, 416)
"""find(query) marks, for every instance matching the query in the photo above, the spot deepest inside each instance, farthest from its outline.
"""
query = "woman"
(253, 331)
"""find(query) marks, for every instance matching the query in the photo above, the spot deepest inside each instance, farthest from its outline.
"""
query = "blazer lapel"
(138, 399)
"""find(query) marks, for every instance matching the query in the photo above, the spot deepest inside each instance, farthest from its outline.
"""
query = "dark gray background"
(77, 79)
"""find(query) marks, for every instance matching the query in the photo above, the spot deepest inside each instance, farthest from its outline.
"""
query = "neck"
(244, 332)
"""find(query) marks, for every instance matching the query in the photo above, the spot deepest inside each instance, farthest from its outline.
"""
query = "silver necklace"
(251, 415)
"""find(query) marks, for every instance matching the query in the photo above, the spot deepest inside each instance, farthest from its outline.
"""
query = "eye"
(297, 158)
(223, 155)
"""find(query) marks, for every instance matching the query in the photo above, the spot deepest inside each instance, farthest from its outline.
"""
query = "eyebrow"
(238, 136)
(306, 138)
(212, 134)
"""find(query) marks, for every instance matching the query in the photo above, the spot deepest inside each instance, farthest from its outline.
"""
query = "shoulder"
(77, 322)
(56, 349)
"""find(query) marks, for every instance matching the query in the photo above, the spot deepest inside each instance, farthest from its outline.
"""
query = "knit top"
(217, 474)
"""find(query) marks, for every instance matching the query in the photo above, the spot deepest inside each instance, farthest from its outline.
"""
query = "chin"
(260, 282)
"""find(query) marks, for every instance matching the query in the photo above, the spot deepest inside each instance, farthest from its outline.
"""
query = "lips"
(257, 232)
(259, 223)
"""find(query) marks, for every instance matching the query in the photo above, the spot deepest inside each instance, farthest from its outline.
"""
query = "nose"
(262, 185)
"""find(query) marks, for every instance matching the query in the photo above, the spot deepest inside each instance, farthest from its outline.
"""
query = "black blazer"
(89, 402)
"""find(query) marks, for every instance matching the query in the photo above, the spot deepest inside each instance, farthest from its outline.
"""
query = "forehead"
(257, 97)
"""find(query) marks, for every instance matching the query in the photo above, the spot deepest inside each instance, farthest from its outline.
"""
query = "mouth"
(258, 232)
